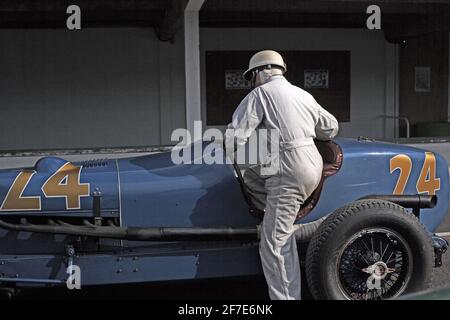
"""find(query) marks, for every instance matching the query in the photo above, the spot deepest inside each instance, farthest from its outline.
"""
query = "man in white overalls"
(276, 104)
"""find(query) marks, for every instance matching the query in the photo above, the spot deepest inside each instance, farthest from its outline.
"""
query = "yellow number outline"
(14, 197)
(403, 163)
(432, 184)
(66, 172)
(71, 190)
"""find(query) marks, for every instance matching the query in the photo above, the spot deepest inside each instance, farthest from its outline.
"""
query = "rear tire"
(7, 293)
(373, 239)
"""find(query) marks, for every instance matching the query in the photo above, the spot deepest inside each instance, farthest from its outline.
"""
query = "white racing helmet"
(264, 58)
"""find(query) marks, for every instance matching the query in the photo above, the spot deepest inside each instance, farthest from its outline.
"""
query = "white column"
(192, 63)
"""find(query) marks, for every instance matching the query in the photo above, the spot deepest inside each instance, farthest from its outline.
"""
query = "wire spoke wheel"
(369, 250)
(374, 264)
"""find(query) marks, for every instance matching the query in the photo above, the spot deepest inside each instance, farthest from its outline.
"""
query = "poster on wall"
(422, 79)
(235, 81)
(316, 79)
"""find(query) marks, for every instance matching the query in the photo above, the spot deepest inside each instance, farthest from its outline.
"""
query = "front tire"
(369, 249)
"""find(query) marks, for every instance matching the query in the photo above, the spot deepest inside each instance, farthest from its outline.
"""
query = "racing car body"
(97, 214)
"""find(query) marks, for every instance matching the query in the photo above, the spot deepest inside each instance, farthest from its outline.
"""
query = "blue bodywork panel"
(366, 171)
(151, 191)
(155, 192)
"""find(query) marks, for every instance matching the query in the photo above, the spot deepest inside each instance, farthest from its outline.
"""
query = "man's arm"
(245, 120)
(327, 127)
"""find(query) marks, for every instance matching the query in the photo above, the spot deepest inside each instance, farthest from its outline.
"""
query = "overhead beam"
(328, 6)
(95, 13)
(415, 27)
(88, 5)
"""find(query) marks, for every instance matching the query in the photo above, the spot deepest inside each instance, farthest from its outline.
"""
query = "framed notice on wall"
(324, 74)
(315, 79)
(235, 81)
(422, 79)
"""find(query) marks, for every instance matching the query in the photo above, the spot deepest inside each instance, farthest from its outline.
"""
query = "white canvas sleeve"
(245, 120)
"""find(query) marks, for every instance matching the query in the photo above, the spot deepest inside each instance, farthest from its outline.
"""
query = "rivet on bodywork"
(119, 271)
(136, 270)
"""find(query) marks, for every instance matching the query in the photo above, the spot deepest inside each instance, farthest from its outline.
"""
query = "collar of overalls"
(275, 77)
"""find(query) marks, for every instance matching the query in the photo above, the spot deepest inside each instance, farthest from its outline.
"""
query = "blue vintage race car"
(368, 225)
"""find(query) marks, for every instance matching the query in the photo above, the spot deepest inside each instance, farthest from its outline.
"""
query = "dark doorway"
(424, 84)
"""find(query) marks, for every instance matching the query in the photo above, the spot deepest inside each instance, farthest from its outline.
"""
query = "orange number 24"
(427, 182)
(65, 183)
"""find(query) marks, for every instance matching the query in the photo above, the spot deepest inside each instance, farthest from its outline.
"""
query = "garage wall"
(373, 67)
(90, 88)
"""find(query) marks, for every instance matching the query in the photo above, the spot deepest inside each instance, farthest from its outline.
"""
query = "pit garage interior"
(137, 70)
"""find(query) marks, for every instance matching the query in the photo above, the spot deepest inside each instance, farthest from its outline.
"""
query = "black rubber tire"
(340, 226)
(8, 293)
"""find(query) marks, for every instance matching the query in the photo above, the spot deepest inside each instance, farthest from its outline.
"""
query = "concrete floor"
(441, 276)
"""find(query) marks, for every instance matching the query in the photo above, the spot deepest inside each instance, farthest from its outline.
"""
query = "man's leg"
(278, 248)
(300, 174)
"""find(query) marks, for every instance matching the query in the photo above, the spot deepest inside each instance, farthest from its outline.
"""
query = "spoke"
(395, 259)
(351, 268)
(382, 255)
(364, 243)
(390, 256)
(373, 251)
(360, 255)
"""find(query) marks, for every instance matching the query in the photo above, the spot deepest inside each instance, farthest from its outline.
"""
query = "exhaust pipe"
(415, 202)
(302, 232)
(138, 234)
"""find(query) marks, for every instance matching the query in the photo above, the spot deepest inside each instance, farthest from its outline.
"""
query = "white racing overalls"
(299, 119)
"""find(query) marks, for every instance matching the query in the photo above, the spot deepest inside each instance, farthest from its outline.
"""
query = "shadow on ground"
(253, 287)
